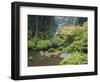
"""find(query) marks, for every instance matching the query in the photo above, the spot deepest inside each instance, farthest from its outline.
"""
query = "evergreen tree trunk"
(36, 29)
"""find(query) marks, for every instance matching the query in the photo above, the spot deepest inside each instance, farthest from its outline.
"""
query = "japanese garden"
(57, 40)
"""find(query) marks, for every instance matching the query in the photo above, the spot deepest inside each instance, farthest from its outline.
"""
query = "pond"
(35, 59)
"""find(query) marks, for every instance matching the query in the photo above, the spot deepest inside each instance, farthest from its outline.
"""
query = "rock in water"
(41, 53)
(64, 55)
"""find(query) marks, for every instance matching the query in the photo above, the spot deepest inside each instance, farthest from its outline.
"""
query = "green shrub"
(31, 44)
(42, 35)
(80, 41)
(61, 48)
(79, 46)
(51, 50)
(68, 40)
(85, 25)
(75, 58)
(64, 49)
(57, 40)
(78, 33)
(29, 34)
(42, 44)
(75, 46)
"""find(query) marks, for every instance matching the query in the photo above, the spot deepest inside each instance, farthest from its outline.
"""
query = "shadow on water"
(35, 59)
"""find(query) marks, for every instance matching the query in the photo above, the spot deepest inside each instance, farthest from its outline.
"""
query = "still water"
(35, 59)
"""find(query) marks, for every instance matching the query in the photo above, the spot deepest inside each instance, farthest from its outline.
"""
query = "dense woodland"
(57, 40)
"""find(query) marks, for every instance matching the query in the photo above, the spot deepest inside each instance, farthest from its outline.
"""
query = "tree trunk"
(36, 29)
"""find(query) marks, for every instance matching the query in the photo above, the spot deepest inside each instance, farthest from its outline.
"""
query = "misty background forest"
(57, 40)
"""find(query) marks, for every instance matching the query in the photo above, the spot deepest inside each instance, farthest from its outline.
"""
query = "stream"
(35, 59)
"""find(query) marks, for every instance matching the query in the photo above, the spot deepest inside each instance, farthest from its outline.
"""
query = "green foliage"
(85, 25)
(42, 35)
(65, 30)
(29, 35)
(79, 42)
(51, 50)
(68, 40)
(57, 40)
(42, 44)
(31, 44)
(77, 33)
(75, 58)
(60, 48)
(79, 46)
(55, 53)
